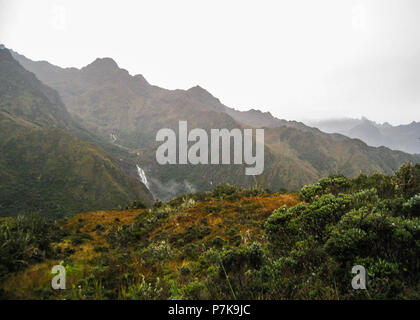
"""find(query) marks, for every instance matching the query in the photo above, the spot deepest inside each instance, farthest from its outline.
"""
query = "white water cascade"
(142, 176)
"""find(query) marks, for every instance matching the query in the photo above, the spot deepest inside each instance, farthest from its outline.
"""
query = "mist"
(299, 60)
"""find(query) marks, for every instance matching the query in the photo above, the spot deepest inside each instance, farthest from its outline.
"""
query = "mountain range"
(402, 137)
(121, 114)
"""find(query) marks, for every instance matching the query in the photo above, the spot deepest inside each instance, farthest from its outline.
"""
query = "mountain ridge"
(128, 111)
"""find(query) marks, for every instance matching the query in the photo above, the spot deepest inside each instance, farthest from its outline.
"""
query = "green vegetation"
(26, 240)
(52, 172)
(235, 243)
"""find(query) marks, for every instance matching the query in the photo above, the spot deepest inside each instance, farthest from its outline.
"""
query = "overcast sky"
(298, 59)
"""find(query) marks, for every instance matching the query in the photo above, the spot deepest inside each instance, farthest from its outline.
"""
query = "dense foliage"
(26, 240)
(234, 243)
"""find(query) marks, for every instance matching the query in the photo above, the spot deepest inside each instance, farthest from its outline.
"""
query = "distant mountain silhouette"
(401, 137)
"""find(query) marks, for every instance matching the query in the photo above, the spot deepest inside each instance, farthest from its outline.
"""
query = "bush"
(411, 208)
(407, 180)
(26, 240)
(79, 238)
(308, 193)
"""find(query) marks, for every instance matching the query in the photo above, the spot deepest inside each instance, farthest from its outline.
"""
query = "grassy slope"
(224, 219)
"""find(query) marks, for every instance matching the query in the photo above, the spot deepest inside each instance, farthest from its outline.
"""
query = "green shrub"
(26, 240)
(136, 204)
(412, 206)
(79, 238)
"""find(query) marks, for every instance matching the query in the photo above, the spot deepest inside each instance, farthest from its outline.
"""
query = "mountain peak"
(106, 64)
(5, 54)
(141, 79)
(199, 90)
(201, 93)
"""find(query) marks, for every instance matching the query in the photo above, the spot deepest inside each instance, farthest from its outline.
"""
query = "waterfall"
(142, 176)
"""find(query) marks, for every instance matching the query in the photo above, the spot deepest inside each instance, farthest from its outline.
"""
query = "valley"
(126, 111)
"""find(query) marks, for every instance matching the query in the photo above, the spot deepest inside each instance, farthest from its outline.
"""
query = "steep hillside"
(125, 109)
(43, 167)
(24, 96)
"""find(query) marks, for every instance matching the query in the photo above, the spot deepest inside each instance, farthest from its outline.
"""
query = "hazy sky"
(298, 59)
